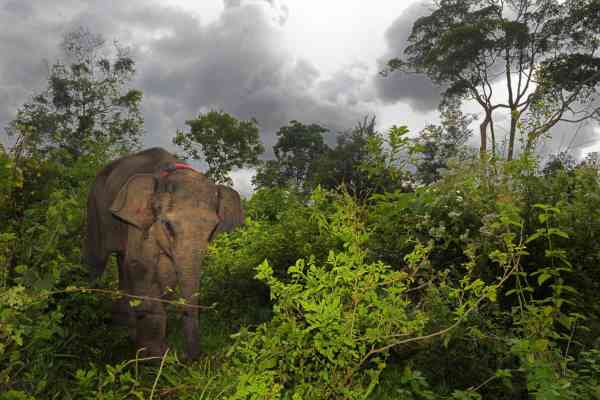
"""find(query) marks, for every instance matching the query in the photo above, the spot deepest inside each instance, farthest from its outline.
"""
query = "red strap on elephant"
(173, 167)
(183, 166)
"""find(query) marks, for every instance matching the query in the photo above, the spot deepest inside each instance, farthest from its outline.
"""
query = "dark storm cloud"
(237, 63)
(416, 90)
(23, 64)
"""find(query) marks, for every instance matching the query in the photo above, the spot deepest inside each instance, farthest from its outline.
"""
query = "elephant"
(157, 215)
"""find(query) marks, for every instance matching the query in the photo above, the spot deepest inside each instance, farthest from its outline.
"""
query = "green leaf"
(543, 277)
(135, 303)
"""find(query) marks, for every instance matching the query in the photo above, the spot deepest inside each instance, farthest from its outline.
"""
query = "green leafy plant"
(222, 141)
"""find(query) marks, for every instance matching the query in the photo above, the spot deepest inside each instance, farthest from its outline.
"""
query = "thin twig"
(162, 363)
(121, 294)
(569, 345)
(421, 286)
(482, 384)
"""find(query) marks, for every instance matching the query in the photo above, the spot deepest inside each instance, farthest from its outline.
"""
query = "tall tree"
(298, 147)
(269, 175)
(222, 141)
(544, 52)
(86, 105)
(340, 165)
(364, 160)
(437, 144)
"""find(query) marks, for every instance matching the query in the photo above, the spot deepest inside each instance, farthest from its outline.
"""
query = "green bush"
(279, 228)
(332, 325)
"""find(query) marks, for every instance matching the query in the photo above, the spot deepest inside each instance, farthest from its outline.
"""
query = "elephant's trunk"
(188, 275)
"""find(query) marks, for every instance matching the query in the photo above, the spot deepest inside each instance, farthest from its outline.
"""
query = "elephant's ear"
(133, 204)
(230, 210)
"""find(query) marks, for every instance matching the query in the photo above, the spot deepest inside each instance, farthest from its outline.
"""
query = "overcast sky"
(314, 61)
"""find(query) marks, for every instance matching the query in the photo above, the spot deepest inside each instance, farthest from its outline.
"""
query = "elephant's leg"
(150, 315)
(121, 312)
(126, 286)
(151, 325)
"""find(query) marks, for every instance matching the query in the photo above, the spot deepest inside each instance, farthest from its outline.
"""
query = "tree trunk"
(493, 137)
(514, 117)
(483, 134)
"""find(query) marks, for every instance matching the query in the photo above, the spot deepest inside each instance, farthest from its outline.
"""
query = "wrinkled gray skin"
(158, 225)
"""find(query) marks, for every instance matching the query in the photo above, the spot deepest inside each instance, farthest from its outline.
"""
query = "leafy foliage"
(87, 103)
(436, 145)
(222, 141)
(365, 161)
(328, 321)
(297, 148)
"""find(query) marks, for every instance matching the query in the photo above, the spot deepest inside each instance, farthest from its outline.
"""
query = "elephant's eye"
(169, 226)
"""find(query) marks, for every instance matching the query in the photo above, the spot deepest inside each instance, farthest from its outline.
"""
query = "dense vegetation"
(384, 266)
(483, 283)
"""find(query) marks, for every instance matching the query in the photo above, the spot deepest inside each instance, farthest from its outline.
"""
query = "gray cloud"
(349, 86)
(416, 90)
(279, 11)
(574, 138)
(237, 63)
(23, 64)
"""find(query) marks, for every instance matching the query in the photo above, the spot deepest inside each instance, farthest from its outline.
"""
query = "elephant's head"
(178, 210)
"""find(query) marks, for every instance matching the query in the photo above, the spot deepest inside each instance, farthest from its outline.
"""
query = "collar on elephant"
(174, 167)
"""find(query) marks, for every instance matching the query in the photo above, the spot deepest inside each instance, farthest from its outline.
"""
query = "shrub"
(332, 326)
